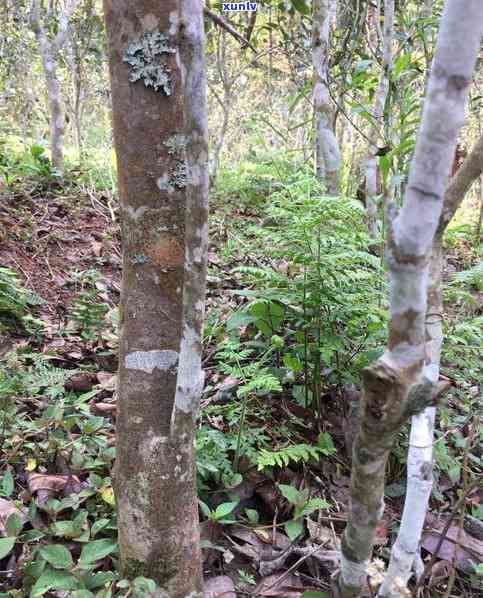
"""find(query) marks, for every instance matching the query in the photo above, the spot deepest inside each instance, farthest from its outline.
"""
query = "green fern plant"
(13, 298)
(296, 453)
(472, 278)
(321, 291)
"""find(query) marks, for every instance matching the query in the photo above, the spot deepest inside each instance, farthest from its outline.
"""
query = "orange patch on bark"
(166, 252)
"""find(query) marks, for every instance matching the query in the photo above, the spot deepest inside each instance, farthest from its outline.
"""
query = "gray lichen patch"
(147, 56)
(176, 144)
(179, 176)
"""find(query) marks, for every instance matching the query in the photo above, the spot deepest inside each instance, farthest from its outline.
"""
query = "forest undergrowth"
(297, 306)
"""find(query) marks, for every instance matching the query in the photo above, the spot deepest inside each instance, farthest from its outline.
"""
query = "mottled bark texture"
(156, 54)
(394, 386)
(49, 48)
(375, 137)
(327, 152)
(405, 556)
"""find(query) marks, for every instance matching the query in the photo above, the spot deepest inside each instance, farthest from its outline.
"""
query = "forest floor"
(273, 459)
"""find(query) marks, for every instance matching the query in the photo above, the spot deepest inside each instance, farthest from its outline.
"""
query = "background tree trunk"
(49, 51)
(159, 113)
(372, 178)
(327, 152)
(394, 388)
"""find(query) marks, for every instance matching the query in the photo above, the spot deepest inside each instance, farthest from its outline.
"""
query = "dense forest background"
(313, 114)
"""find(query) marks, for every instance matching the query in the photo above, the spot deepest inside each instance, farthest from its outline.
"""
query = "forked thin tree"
(405, 556)
(394, 386)
(50, 47)
(327, 152)
(156, 52)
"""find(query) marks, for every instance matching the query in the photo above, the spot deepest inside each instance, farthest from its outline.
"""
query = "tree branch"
(64, 18)
(460, 184)
(224, 24)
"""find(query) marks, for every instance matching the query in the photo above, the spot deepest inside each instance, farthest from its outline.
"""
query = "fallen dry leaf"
(460, 549)
(439, 573)
(219, 587)
(82, 382)
(107, 380)
(103, 408)
(279, 586)
(7, 508)
(321, 534)
(96, 248)
(47, 486)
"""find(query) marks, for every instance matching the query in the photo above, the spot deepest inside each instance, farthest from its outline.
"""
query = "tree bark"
(394, 387)
(405, 552)
(372, 186)
(159, 115)
(327, 152)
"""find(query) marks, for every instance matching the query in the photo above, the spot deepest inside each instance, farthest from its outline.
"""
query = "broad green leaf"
(301, 6)
(290, 493)
(311, 594)
(57, 555)
(53, 579)
(293, 528)
(6, 545)
(7, 487)
(98, 526)
(34, 569)
(97, 580)
(143, 586)
(14, 525)
(32, 535)
(205, 509)
(224, 509)
(96, 550)
(293, 363)
(253, 516)
(325, 443)
(314, 504)
(400, 65)
(65, 529)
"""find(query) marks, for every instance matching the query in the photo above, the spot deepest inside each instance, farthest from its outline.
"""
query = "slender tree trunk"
(159, 114)
(405, 552)
(480, 215)
(327, 152)
(394, 387)
(54, 98)
(77, 92)
(49, 49)
(225, 104)
(372, 178)
(57, 119)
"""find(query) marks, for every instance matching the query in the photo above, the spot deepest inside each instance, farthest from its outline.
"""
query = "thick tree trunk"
(405, 552)
(159, 113)
(394, 388)
(327, 152)
(372, 186)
